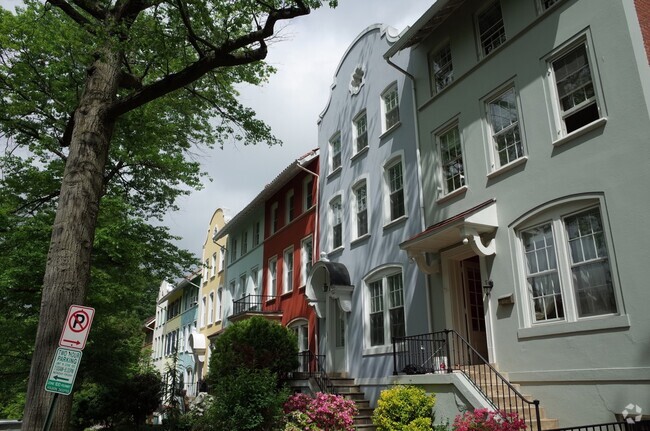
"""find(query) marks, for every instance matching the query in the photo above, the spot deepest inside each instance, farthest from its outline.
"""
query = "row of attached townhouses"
(471, 222)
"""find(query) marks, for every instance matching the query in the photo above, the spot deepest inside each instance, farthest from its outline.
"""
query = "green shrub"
(404, 408)
(246, 400)
(255, 344)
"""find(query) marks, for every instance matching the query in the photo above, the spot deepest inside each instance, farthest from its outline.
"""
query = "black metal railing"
(250, 303)
(613, 426)
(447, 351)
(312, 366)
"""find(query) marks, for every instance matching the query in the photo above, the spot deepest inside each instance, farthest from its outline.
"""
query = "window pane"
(504, 119)
(377, 329)
(397, 327)
(395, 183)
(442, 69)
(491, 30)
(391, 108)
(361, 125)
(451, 160)
(593, 289)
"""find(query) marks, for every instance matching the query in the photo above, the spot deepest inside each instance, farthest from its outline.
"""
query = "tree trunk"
(67, 271)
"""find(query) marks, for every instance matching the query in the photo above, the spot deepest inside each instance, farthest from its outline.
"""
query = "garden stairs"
(479, 376)
(347, 388)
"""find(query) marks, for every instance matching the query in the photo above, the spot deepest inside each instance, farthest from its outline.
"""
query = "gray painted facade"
(582, 344)
(362, 83)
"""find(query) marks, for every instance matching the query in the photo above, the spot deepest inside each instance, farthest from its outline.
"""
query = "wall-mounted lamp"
(487, 286)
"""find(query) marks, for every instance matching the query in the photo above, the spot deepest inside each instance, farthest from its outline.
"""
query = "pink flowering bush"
(485, 420)
(326, 412)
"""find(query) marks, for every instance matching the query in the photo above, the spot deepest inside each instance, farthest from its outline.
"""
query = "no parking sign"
(76, 327)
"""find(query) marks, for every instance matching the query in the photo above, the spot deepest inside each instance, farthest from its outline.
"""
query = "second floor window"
(335, 152)
(287, 281)
(503, 116)
(360, 132)
(336, 211)
(451, 160)
(491, 30)
(395, 182)
(361, 207)
(442, 70)
(273, 274)
(390, 107)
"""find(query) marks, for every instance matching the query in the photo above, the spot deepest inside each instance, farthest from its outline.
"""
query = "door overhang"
(465, 227)
(329, 280)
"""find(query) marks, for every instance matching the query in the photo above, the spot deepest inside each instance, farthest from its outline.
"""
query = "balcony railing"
(250, 303)
(447, 351)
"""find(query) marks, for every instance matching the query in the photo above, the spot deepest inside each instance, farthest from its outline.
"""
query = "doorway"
(473, 309)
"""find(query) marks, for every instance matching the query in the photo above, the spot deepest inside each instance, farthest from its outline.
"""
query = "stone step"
(366, 427)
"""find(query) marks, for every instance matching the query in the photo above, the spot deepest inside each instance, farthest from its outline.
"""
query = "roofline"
(270, 189)
(418, 30)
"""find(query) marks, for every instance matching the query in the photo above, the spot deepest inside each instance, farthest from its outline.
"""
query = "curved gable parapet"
(391, 35)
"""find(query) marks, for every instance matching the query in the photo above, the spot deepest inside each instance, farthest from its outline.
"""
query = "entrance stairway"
(497, 393)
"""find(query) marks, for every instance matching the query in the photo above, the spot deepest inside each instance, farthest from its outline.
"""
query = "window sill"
(378, 350)
(581, 131)
(459, 191)
(510, 166)
(286, 294)
(397, 221)
(389, 131)
(585, 325)
(337, 250)
(358, 154)
(362, 238)
(334, 173)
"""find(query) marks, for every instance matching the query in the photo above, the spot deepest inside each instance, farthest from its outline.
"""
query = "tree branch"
(113, 172)
(38, 202)
(91, 8)
(72, 13)
(227, 55)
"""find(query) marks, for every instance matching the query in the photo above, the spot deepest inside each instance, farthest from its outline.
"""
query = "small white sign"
(76, 327)
(64, 371)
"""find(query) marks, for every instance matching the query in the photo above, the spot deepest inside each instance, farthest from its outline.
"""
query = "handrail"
(416, 354)
(250, 303)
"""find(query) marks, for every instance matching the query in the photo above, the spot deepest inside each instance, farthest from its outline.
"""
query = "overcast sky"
(306, 59)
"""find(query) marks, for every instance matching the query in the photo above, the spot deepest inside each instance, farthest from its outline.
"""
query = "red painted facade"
(289, 234)
(643, 12)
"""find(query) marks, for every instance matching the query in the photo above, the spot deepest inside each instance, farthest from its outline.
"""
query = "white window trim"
(287, 280)
(355, 133)
(330, 218)
(255, 280)
(384, 125)
(560, 136)
(380, 273)
(481, 48)
(202, 311)
(219, 305)
(273, 226)
(494, 168)
(430, 56)
(305, 192)
(336, 137)
(210, 308)
(393, 159)
(555, 212)
(272, 291)
(443, 193)
(363, 180)
(213, 265)
(303, 258)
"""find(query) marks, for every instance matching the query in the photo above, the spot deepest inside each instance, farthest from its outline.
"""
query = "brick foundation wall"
(643, 12)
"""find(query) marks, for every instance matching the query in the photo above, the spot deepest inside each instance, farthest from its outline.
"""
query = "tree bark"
(67, 271)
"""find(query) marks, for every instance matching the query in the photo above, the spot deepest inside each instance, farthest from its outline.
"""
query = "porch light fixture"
(487, 286)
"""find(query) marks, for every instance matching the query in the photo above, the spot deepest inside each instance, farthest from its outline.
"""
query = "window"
(451, 159)
(306, 259)
(290, 207)
(308, 192)
(491, 31)
(206, 265)
(233, 252)
(220, 304)
(568, 274)
(547, 4)
(256, 233)
(335, 152)
(203, 311)
(274, 218)
(390, 107)
(360, 127)
(385, 309)
(360, 193)
(395, 185)
(336, 215)
(576, 92)
(254, 277)
(222, 262)
(211, 308)
(244, 242)
(287, 276)
(503, 116)
(442, 71)
(242, 285)
(273, 276)
(213, 265)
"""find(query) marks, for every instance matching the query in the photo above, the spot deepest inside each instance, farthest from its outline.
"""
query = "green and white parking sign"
(63, 371)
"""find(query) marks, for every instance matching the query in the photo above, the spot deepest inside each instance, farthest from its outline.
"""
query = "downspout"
(419, 174)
